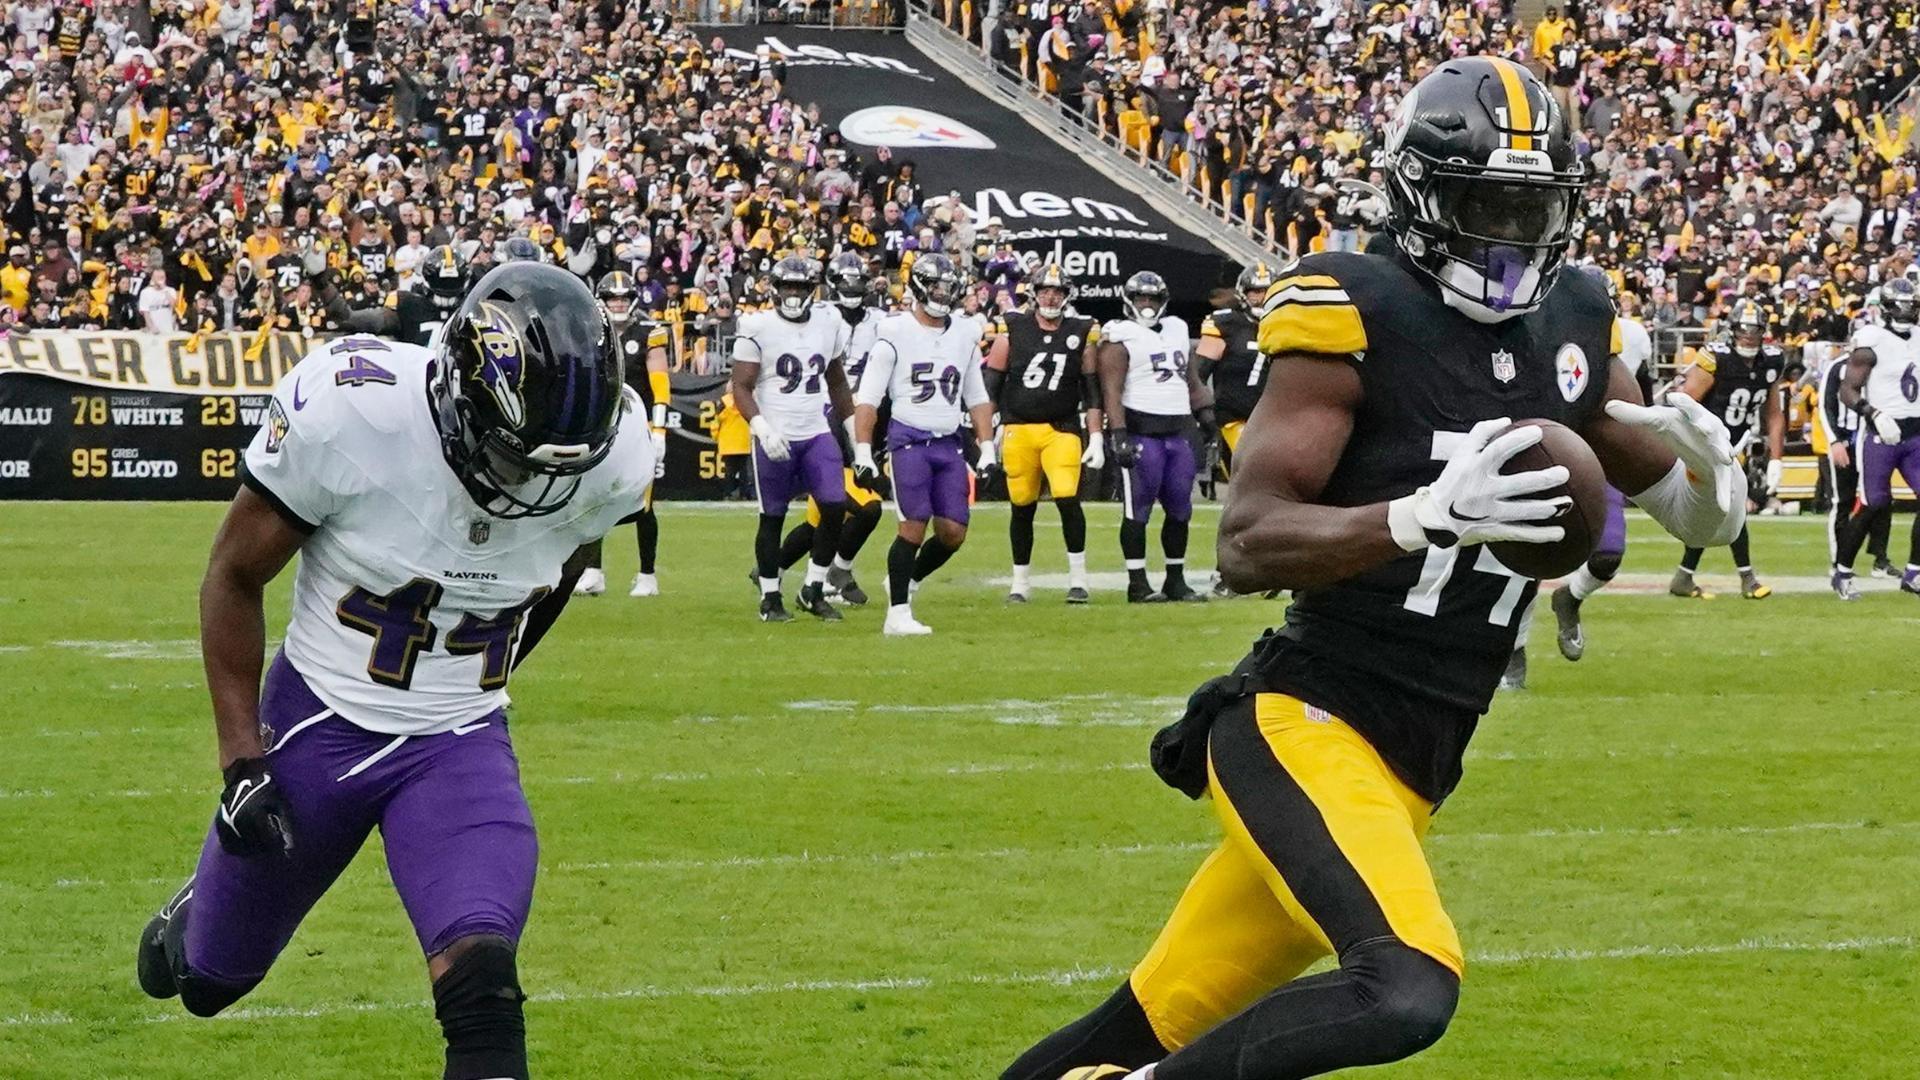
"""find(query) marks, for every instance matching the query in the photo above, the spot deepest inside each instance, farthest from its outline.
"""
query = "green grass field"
(808, 851)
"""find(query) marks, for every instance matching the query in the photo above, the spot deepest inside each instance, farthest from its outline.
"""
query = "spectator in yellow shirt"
(16, 279)
(735, 444)
(1547, 35)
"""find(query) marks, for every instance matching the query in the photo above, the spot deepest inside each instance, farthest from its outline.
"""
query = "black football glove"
(254, 818)
(987, 467)
(1122, 450)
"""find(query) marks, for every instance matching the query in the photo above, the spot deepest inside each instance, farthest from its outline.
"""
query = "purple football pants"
(1613, 535)
(930, 474)
(813, 467)
(1879, 461)
(455, 824)
(1164, 474)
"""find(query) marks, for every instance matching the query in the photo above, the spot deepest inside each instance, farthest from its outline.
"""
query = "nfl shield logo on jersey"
(1570, 370)
(479, 531)
(1503, 368)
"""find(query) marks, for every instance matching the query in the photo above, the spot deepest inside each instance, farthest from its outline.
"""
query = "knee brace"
(477, 1002)
(1411, 995)
(1604, 565)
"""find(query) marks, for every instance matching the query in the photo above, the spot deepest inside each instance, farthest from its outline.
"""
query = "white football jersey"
(860, 342)
(1636, 345)
(409, 598)
(1893, 385)
(793, 358)
(930, 373)
(1156, 365)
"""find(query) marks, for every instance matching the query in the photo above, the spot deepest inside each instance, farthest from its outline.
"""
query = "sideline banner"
(144, 416)
(877, 89)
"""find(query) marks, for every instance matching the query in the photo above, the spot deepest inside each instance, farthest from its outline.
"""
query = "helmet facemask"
(1901, 303)
(1145, 298)
(1494, 241)
(1050, 302)
(935, 285)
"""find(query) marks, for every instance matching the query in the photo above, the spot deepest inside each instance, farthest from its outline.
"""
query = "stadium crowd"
(1737, 149)
(225, 165)
(205, 165)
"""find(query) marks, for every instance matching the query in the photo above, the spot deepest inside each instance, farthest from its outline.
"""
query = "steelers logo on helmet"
(527, 397)
(1749, 327)
(935, 284)
(1900, 303)
(1484, 185)
(616, 293)
(445, 275)
(1252, 285)
(1052, 291)
(1145, 297)
(847, 279)
(795, 279)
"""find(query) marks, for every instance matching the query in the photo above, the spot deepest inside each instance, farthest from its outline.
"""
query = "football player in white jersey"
(435, 499)
(1636, 351)
(789, 383)
(855, 300)
(1882, 382)
(927, 364)
(1153, 400)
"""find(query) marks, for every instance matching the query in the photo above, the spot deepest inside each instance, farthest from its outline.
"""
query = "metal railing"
(820, 14)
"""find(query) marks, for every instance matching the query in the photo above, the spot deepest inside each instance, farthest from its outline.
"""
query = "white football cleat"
(644, 585)
(592, 582)
(901, 623)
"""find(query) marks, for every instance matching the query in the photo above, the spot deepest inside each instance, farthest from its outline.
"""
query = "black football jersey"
(1410, 652)
(418, 314)
(1043, 370)
(1241, 372)
(1741, 385)
(637, 338)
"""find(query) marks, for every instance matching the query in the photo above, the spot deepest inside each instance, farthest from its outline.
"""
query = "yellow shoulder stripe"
(1331, 328)
(1304, 281)
(1615, 341)
(657, 338)
(1704, 360)
(1207, 329)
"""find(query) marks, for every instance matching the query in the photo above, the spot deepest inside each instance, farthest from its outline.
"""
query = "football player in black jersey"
(1738, 380)
(860, 303)
(414, 314)
(1368, 482)
(1041, 376)
(643, 352)
(1229, 361)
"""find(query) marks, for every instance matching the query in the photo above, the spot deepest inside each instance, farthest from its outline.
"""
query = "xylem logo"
(820, 54)
(997, 202)
(904, 126)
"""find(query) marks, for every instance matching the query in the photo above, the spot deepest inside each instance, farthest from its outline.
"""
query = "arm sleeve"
(973, 387)
(878, 374)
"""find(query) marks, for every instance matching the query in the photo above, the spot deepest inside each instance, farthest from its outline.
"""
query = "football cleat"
(1566, 612)
(154, 969)
(812, 599)
(1843, 586)
(644, 585)
(1910, 582)
(1884, 566)
(1516, 674)
(1177, 591)
(593, 582)
(1220, 590)
(1682, 586)
(1094, 1072)
(1139, 592)
(1016, 598)
(1751, 588)
(1078, 595)
(841, 581)
(901, 623)
(772, 610)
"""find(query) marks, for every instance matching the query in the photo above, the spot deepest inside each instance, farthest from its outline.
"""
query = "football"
(1586, 484)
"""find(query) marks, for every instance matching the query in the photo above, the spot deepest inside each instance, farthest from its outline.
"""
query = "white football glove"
(1773, 476)
(771, 444)
(659, 452)
(865, 472)
(1886, 427)
(1472, 502)
(1696, 437)
(1095, 456)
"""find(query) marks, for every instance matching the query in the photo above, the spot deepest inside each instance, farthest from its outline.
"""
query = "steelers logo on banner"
(905, 126)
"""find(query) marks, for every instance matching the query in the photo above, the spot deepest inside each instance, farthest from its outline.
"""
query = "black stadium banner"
(878, 89)
(152, 416)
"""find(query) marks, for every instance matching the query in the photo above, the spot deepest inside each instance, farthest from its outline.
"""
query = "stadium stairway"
(963, 60)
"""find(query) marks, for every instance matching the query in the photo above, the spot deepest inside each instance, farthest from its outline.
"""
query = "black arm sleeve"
(1090, 390)
(547, 611)
(995, 379)
(375, 320)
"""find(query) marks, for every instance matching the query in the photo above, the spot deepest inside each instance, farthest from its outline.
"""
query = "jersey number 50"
(401, 626)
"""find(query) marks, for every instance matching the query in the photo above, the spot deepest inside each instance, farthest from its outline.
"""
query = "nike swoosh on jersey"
(298, 402)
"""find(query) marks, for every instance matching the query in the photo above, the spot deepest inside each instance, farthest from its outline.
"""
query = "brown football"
(1586, 483)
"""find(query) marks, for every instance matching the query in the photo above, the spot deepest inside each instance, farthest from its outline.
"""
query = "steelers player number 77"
(1429, 440)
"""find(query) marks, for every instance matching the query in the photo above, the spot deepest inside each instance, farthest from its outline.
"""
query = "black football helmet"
(527, 389)
(1145, 297)
(1252, 285)
(847, 277)
(1484, 187)
(521, 249)
(1747, 325)
(935, 284)
(795, 279)
(1900, 303)
(444, 275)
(616, 291)
(1051, 278)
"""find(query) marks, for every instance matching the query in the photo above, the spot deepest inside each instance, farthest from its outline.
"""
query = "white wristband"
(1403, 522)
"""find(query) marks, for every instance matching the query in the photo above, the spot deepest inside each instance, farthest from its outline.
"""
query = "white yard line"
(1062, 977)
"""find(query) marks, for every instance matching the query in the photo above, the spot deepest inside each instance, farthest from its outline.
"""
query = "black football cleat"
(842, 582)
(812, 599)
(1566, 612)
(150, 961)
(1220, 590)
(1885, 568)
(1139, 592)
(1078, 595)
(1017, 598)
(772, 610)
(1177, 591)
